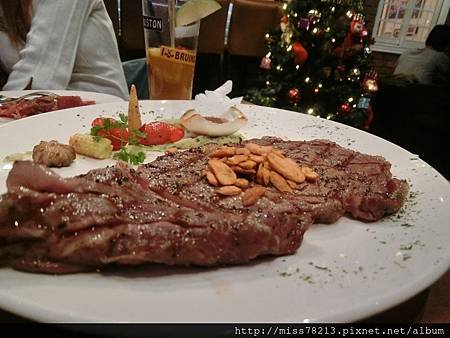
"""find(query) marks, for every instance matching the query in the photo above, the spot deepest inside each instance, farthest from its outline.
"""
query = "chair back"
(250, 21)
(212, 30)
(132, 28)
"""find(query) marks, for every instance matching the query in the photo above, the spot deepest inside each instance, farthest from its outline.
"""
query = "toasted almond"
(236, 159)
(241, 183)
(256, 158)
(248, 164)
(224, 174)
(230, 190)
(259, 174)
(252, 195)
(266, 176)
(212, 179)
(310, 175)
(242, 151)
(240, 170)
(257, 149)
(279, 182)
(286, 168)
(278, 152)
(223, 152)
(292, 184)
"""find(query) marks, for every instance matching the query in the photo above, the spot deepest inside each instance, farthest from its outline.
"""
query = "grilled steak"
(166, 212)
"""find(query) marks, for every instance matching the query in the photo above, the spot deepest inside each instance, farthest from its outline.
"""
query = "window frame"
(388, 45)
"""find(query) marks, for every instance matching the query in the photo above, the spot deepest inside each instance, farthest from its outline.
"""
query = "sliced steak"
(166, 212)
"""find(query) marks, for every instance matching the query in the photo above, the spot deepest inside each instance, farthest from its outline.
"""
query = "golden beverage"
(170, 73)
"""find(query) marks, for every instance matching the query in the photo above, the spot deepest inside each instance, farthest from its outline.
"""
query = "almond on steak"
(223, 152)
(240, 170)
(230, 190)
(224, 174)
(257, 158)
(257, 149)
(241, 183)
(310, 175)
(248, 164)
(266, 176)
(242, 151)
(278, 152)
(286, 168)
(292, 184)
(252, 195)
(259, 174)
(212, 179)
(279, 182)
(236, 159)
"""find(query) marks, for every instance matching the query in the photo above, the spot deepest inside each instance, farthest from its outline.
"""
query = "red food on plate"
(43, 104)
(155, 133)
(176, 133)
(65, 102)
(110, 128)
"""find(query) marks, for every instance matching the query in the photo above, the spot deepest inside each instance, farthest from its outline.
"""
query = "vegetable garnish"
(157, 133)
(112, 129)
(127, 156)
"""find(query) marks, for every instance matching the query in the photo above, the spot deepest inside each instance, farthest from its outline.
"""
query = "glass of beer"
(171, 50)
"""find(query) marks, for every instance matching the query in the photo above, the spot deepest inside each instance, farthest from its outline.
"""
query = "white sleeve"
(50, 50)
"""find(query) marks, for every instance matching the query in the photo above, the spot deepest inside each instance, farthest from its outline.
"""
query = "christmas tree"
(318, 62)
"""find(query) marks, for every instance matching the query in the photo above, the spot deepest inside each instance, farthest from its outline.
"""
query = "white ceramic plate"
(342, 272)
(98, 97)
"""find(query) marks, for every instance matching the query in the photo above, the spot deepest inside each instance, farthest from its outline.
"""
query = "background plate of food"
(33, 105)
(342, 272)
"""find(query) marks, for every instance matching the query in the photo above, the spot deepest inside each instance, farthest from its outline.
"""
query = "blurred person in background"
(430, 65)
(59, 44)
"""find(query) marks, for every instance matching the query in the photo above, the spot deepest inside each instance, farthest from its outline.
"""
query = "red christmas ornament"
(340, 68)
(294, 96)
(344, 108)
(300, 53)
(284, 19)
(266, 63)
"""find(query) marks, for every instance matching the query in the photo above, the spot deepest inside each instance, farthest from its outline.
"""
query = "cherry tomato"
(176, 134)
(100, 121)
(117, 136)
(155, 133)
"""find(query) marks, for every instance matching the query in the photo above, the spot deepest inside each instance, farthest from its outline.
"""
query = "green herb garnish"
(126, 156)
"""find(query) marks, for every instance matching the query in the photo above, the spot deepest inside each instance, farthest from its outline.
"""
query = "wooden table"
(430, 306)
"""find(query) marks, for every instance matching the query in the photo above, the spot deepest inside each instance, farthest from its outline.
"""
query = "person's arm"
(50, 50)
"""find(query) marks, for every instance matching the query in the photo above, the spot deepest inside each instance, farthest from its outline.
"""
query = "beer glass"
(171, 51)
